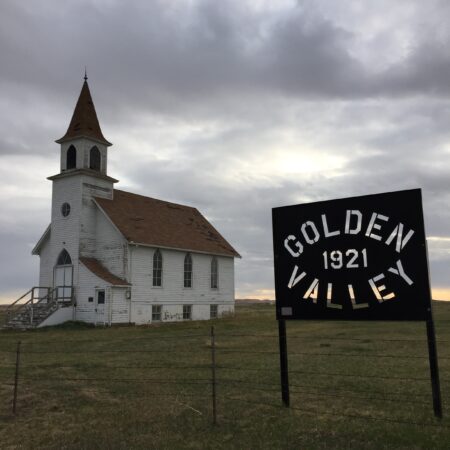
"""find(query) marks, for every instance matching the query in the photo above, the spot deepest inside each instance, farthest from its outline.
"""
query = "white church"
(110, 256)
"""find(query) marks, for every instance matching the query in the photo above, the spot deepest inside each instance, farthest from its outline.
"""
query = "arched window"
(188, 271)
(214, 273)
(157, 268)
(71, 158)
(94, 158)
(64, 259)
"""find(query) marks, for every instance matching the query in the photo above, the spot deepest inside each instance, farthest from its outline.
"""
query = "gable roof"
(148, 221)
(84, 121)
(96, 267)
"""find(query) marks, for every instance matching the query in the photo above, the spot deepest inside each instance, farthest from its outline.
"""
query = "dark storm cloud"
(168, 52)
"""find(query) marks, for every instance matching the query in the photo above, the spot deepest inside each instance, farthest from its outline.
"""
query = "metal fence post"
(213, 375)
(16, 377)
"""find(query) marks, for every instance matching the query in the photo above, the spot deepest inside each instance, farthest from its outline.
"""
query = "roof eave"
(85, 136)
(37, 247)
(122, 283)
(83, 171)
(190, 250)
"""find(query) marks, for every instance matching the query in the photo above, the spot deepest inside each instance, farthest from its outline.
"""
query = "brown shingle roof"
(84, 119)
(102, 272)
(148, 221)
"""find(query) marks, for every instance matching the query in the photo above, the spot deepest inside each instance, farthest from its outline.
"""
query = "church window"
(157, 268)
(156, 313)
(94, 158)
(188, 271)
(64, 259)
(187, 312)
(214, 273)
(65, 209)
(213, 311)
(71, 160)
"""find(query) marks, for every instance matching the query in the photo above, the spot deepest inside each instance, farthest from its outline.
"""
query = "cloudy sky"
(230, 106)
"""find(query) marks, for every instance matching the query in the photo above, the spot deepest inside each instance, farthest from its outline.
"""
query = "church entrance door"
(63, 282)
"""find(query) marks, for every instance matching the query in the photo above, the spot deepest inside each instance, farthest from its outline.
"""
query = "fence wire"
(34, 374)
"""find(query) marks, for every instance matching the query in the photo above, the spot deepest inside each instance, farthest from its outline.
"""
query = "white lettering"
(377, 226)
(399, 271)
(357, 228)
(294, 279)
(297, 244)
(313, 290)
(352, 298)
(400, 243)
(326, 231)
(378, 289)
(330, 296)
(312, 226)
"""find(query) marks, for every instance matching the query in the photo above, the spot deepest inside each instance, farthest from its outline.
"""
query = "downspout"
(111, 294)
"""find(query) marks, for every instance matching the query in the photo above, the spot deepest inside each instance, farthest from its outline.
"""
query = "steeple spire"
(84, 121)
(85, 74)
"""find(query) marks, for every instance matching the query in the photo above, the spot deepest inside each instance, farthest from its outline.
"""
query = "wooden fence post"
(16, 377)
(213, 375)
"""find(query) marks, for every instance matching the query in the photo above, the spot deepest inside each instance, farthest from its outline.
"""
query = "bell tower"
(82, 178)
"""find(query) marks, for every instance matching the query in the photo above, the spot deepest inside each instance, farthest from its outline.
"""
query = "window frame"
(187, 312)
(101, 297)
(188, 272)
(98, 154)
(155, 270)
(214, 278)
(65, 209)
(71, 156)
(215, 314)
(157, 311)
(64, 258)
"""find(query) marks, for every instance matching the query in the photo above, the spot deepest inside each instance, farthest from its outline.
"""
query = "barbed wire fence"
(208, 372)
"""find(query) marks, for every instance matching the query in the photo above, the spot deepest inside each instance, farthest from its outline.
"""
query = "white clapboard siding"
(116, 307)
(111, 247)
(173, 295)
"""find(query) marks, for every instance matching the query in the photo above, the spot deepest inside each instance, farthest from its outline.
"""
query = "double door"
(63, 280)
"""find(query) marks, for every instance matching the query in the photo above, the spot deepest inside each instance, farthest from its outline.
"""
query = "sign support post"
(434, 369)
(283, 362)
(357, 258)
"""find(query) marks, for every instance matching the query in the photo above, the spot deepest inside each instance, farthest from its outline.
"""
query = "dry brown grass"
(71, 398)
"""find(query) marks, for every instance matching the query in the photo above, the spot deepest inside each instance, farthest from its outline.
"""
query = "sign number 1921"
(350, 259)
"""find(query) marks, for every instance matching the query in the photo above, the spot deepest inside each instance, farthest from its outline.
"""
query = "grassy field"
(353, 385)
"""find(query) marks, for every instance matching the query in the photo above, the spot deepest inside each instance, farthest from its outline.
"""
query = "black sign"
(360, 258)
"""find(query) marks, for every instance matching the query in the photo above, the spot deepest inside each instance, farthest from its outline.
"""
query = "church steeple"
(84, 123)
(84, 147)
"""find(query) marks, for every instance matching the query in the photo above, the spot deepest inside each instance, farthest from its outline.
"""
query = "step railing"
(58, 296)
(30, 297)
